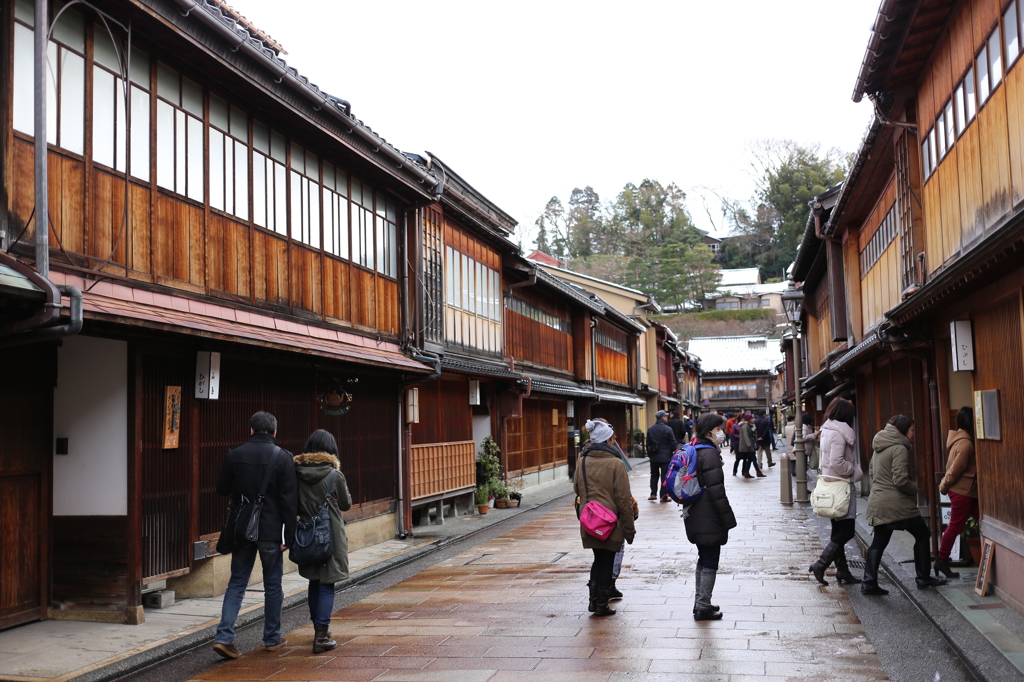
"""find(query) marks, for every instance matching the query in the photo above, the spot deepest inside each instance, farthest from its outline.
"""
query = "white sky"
(527, 100)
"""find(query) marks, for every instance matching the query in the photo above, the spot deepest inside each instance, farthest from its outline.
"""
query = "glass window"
(229, 160)
(984, 85)
(1011, 33)
(958, 99)
(104, 119)
(179, 134)
(24, 116)
(269, 175)
(995, 58)
(932, 150)
(950, 132)
(970, 97)
(940, 135)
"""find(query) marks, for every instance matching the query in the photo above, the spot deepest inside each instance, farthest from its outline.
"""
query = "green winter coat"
(893, 493)
(311, 470)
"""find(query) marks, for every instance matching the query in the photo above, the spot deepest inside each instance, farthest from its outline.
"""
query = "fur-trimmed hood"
(313, 467)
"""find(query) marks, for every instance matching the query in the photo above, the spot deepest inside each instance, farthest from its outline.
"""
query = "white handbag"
(830, 498)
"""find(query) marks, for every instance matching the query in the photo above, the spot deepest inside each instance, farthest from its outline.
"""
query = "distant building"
(545, 259)
(742, 289)
(739, 371)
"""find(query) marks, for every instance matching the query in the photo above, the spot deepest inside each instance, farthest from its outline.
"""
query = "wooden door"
(26, 402)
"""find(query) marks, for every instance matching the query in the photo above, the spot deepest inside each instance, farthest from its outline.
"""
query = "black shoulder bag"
(314, 541)
(243, 518)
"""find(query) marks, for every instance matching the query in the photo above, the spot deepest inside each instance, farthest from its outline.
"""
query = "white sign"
(962, 341)
(474, 391)
(570, 408)
(207, 375)
(818, 403)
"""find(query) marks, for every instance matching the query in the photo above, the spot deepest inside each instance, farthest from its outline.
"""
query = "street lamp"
(792, 300)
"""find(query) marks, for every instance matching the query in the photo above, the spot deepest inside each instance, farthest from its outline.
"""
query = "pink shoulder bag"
(595, 518)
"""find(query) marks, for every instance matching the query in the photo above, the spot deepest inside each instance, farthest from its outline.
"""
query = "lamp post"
(792, 300)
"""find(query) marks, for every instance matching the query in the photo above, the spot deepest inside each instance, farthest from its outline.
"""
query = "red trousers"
(962, 508)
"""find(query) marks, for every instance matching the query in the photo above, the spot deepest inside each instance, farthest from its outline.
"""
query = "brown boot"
(747, 475)
(322, 642)
(761, 475)
(942, 566)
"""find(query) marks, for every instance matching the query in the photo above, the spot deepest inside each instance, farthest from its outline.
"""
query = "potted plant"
(515, 488)
(501, 493)
(482, 495)
(972, 534)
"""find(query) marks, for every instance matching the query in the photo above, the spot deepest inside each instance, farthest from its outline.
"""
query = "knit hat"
(746, 416)
(599, 431)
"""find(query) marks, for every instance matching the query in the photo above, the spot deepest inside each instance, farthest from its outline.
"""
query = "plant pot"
(483, 508)
(975, 545)
(513, 503)
(500, 504)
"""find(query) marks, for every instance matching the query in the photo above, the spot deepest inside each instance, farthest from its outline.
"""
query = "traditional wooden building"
(236, 233)
(737, 372)
(923, 286)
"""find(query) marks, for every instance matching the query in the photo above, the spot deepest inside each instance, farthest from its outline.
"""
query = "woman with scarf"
(601, 477)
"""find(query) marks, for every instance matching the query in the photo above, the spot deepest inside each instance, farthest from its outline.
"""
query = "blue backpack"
(681, 481)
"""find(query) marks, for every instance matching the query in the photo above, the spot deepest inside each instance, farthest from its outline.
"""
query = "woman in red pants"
(961, 483)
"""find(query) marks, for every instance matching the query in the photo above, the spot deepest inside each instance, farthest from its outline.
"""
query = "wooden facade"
(927, 220)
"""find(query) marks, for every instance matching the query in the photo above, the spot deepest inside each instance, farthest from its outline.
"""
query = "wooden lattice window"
(433, 278)
(904, 212)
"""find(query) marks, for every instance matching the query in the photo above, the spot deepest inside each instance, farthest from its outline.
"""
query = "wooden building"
(206, 198)
(923, 234)
(737, 372)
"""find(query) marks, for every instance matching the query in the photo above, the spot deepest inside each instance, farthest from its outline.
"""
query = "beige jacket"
(961, 471)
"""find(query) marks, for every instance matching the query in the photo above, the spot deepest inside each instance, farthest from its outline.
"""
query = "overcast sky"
(527, 100)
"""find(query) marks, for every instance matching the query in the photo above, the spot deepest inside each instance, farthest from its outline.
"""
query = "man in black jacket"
(661, 443)
(678, 427)
(763, 425)
(244, 471)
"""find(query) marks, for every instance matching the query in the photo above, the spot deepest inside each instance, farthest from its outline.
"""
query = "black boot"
(923, 566)
(593, 594)
(614, 592)
(601, 607)
(942, 566)
(819, 567)
(843, 574)
(871, 563)
(321, 641)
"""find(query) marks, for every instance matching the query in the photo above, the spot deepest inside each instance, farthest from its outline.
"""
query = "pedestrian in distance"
(688, 421)
(709, 519)
(892, 504)
(678, 427)
(601, 477)
(249, 468)
(731, 428)
(961, 484)
(763, 428)
(839, 460)
(748, 446)
(788, 433)
(661, 443)
(313, 468)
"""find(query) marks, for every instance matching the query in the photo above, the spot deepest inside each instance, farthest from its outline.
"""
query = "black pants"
(601, 569)
(658, 472)
(708, 556)
(748, 459)
(916, 527)
(843, 531)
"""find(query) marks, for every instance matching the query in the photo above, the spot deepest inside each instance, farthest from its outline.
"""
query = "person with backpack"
(710, 517)
(601, 481)
(661, 443)
(322, 483)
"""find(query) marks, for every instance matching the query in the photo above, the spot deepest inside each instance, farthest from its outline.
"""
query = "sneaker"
(227, 651)
(275, 646)
(652, 497)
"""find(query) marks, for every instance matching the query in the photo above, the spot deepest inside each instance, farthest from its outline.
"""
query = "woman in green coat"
(319, 457)
(892, 504)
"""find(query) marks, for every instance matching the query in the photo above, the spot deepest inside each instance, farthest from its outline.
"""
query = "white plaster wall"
(481, 429)
(90, 409)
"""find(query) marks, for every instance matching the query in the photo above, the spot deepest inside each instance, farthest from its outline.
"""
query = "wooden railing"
(439, 468)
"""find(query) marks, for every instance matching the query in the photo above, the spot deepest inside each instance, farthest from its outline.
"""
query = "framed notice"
(986, 415)
(172, 416)
(985, 567)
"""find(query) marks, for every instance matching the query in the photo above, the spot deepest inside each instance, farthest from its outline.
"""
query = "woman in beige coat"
(961, 484)
(601, 477)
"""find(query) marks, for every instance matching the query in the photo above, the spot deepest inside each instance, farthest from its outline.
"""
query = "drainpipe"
(593, 357)
(41, 148)
(52, 333)
(405, 459)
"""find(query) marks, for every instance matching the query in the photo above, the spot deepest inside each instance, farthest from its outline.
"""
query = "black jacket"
(764, 429)
(661, 442)
(678, 427)
(242, 474)
(711, 516)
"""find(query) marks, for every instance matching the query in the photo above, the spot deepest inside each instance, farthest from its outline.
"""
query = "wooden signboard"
(172, 416)
(985, 567)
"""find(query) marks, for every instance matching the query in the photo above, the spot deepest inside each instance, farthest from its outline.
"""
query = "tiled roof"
(736, 354)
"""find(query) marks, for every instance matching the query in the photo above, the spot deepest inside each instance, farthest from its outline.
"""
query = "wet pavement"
(513, 608)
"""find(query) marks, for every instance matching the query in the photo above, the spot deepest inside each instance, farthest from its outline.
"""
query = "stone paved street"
(514, 609)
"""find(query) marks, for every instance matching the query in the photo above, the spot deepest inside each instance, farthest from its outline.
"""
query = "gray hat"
(660, 413)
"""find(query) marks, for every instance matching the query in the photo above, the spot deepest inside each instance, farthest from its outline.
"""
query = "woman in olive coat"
(892, 504)
(313, 467)
(709, 519)
(601, 477)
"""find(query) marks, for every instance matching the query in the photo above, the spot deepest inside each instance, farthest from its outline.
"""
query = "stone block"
(160, 599)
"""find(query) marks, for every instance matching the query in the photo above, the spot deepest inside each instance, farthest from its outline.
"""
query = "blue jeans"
(242, 560)
(321, 603)
(708, 556)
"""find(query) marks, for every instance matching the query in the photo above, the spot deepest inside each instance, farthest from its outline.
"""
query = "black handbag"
(243, 517)
(314, 541)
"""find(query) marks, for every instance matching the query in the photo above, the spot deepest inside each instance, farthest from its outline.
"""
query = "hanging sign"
(172, 416)
(207, 375)
(962, 341)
